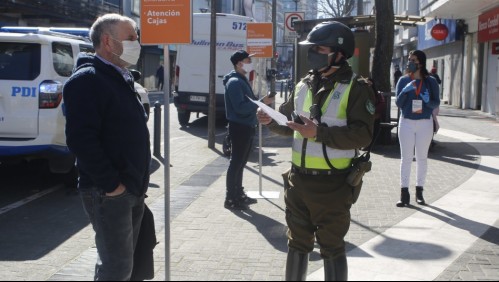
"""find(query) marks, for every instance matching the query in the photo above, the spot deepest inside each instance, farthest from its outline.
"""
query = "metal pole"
(212, 111)
(166, 157)
(273, 60)
(157, 129)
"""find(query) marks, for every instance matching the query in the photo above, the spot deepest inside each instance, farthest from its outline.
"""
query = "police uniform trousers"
(318, 207)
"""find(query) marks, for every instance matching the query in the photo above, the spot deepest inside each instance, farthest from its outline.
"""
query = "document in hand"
(275, 115)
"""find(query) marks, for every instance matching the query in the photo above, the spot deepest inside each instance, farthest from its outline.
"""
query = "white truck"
(191, 93)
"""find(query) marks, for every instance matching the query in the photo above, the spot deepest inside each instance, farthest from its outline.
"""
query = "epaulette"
(363, 79)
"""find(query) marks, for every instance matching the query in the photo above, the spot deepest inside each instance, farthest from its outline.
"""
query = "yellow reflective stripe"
(320, 162)
(342, 112)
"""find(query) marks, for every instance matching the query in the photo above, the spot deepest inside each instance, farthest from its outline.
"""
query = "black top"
(106, 128)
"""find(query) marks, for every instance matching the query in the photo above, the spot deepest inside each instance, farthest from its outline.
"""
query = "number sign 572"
(238, 26)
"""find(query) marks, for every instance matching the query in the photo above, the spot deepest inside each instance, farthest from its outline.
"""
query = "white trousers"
(414, 137)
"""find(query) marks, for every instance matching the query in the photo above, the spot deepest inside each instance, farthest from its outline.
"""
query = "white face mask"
(131, 51)
(247, 67)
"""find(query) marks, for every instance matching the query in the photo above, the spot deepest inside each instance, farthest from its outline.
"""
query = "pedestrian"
(160, 76)
(106, 129)
(336, 107)
(417, 97)
(435, 75)
(241, 114)
(396, 75)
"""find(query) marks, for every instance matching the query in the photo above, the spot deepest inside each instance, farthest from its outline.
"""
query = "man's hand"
(268, 100)
(307, 130)
(262, 117)
(118, 191)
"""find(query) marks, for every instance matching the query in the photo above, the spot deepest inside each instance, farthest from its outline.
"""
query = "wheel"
(183, 117)
(71, 180)
(227, 146)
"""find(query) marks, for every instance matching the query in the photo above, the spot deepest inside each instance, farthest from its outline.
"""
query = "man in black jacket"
(106, 129)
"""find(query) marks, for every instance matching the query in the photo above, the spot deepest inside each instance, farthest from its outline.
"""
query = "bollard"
(286, 93)
(282, 87)
(157, 129)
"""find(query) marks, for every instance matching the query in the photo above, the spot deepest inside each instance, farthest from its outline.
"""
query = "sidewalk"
(455, 237)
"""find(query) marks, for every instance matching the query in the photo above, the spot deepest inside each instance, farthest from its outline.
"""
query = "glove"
(425, 96)
(409, 87)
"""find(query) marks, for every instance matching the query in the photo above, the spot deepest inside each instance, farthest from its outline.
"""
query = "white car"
(142, 91)
(33, 69)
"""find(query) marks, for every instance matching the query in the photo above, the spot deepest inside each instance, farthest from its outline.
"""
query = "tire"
(183, 117)
(227, 146)
(71, 179)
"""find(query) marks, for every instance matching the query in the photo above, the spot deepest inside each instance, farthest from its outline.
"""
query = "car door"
(19, 69)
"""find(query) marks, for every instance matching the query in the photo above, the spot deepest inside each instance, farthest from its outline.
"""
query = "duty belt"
(307, 171)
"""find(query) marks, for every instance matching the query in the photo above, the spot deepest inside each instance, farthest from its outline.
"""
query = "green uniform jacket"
(360, 111)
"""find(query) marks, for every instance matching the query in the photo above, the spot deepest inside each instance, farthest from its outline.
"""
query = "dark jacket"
(238, 107)
(106, 128)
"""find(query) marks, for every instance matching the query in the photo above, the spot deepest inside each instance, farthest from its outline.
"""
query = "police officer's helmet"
(333, 34)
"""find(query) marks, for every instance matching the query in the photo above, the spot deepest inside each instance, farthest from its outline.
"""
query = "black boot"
(419, 195)
(296, 266)
(405, 197)
(336, 269)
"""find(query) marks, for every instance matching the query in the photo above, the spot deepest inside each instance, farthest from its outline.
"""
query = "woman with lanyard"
(417, 96)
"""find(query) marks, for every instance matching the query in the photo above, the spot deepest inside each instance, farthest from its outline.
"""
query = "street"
(51, 237)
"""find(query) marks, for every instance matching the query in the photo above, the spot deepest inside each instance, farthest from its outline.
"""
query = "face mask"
(131, 51)
(247, 67)
(412, 67)
(317, 61)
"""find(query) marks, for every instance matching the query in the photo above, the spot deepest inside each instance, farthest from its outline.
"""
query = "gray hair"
(107, 24)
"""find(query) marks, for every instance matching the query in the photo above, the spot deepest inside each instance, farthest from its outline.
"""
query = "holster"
(360, 166)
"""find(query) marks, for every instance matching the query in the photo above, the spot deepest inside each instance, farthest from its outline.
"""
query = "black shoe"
(247, 200)
(419, 196)
(235, 205)
(405, 198)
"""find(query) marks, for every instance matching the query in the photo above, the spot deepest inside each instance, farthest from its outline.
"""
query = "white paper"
(275, 115)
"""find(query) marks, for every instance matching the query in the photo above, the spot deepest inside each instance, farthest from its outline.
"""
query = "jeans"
(116, 222)
(242, 141)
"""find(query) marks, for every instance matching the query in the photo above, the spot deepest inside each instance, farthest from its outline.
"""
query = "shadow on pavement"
(41, 226)
(273, 231)
(477, 229)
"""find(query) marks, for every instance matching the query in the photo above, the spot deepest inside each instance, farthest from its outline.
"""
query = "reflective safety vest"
(334, 113)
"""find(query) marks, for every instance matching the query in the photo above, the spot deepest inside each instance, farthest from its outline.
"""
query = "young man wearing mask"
(336, 108)
(106, 129)
(241, 114)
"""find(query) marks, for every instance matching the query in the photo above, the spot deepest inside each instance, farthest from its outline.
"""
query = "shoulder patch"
(370, 107)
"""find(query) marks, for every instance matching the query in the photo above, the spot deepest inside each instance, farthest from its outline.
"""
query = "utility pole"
(212, 111)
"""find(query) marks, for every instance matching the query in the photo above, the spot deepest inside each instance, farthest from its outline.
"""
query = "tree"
(383, 51)
(336, 8)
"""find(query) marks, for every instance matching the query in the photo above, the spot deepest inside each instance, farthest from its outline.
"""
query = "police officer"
(333, 116)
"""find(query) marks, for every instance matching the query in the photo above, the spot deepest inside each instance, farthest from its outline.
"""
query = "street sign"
(259, 39)
(289, 28)
(165, 22)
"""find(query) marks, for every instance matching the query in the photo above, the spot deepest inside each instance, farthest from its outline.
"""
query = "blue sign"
(425, 41)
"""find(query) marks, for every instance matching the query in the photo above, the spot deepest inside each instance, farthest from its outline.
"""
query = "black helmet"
(333, 34)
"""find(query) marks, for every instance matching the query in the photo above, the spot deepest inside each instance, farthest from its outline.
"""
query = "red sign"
(439, 31)
(488, 26)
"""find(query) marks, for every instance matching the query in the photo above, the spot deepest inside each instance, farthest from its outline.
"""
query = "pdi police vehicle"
(34, 64)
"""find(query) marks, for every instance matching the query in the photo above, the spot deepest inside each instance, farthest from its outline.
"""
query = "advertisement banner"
(488, 26)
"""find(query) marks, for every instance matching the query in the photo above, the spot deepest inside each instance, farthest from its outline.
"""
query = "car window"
(86, 48)
(19, 61)
(62, 54)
